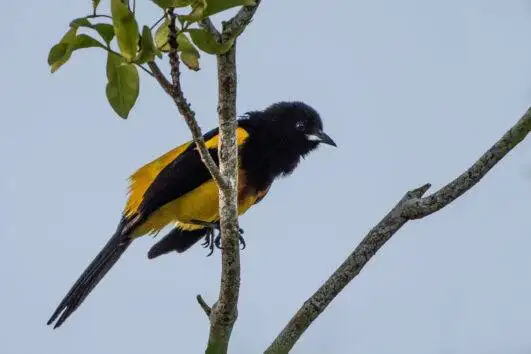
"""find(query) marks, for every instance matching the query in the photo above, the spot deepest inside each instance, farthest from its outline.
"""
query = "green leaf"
(80, 22)
(113, 61)
(58, 55)
(61, 52)
(207, 43)
(95, 4)
(148, 50)
(105, 30)
(215, 6)
(172, 3)
(189, 54)
(161, 37)
(125, 28)
(205, 8)
(85, 41)
(197, 13)
(190, 60)
(123, 86)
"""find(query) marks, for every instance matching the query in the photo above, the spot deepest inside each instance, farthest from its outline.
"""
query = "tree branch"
(235, 26)
(420, 208)
(159, 75)
(410, 207)
(208, 26)
(224, 312)
(175, 91)
(204, 305)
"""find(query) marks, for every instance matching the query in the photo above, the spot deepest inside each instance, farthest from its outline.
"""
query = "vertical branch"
(224, 312)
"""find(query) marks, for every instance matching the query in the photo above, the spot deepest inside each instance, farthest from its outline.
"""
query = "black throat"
(269, 152)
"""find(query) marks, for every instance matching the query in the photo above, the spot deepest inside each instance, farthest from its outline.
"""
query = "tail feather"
(92, 275)
(176, 240)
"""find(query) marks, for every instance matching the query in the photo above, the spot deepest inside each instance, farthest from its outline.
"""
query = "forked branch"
(411, 206)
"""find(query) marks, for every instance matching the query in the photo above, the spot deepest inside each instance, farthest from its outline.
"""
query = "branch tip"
(235, 26)
(420, 191)
(204, 305)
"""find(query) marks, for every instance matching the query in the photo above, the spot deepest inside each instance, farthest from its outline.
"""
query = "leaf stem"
(157, 22)
(146, 70)
(94, 15)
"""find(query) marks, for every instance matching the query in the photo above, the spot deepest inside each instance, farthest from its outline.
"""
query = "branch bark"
(224, 312)
(208, 26)
(235, 26)
(411, 206)
(204, 305)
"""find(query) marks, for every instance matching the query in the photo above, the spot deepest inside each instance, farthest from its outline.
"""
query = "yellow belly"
(201, 203)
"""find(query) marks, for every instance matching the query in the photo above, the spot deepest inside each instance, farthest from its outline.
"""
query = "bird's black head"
(279, 136)
(299, 124)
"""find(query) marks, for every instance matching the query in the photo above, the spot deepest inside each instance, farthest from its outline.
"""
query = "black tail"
(96, 270)
(176, 240)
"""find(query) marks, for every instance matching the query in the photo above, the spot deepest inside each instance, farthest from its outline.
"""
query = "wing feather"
(172, 175)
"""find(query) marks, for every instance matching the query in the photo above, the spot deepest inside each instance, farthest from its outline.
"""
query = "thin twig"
(161, 78)
(184, 106)
(204, 305)
(412, 206)
(146, 70)
(94, 15)
(157, 22)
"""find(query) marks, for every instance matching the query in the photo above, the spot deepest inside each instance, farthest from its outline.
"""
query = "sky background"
(413, 91)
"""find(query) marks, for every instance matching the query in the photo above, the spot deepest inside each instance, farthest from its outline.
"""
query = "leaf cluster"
(129, 46)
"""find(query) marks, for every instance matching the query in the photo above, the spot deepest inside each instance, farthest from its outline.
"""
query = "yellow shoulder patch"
(241, 136)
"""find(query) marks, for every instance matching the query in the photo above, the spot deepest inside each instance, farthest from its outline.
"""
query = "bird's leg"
(209, 241)
(212, 240)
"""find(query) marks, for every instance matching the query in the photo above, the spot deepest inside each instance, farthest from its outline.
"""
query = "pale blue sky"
(412, 91)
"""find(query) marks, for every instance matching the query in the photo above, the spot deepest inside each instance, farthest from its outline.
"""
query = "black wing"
(182, 175)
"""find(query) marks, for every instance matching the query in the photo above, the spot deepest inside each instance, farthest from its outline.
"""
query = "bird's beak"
(321, 137)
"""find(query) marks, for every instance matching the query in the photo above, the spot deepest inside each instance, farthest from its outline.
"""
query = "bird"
(177, 189)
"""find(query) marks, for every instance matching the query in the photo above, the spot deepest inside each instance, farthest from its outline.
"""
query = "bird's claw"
(213, 240)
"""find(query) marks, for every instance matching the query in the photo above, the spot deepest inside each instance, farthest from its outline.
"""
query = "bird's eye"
(299, 125)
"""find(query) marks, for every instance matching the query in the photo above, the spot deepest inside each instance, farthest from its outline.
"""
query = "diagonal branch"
(208, 26)
(161, 78)
(420, 208)
(347, 271)
(175, 91)
(204, 305)
(412, 206)
(235, 26)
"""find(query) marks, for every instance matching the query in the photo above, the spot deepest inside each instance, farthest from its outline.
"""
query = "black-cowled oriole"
(176, 188)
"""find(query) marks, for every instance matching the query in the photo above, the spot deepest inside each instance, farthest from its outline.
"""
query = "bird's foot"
(213, 236)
